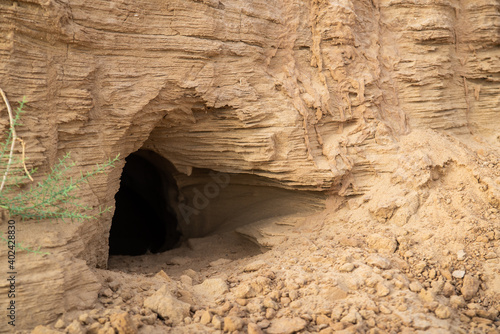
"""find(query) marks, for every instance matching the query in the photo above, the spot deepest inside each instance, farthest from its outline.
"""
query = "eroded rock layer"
(299, 95)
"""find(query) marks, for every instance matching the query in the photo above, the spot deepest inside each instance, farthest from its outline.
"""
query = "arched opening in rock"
(144, 218)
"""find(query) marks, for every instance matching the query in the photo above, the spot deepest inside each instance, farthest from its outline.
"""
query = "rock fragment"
(270, 313)
(122, 323)
(114, 286)
(378, 261)
(448, 289)
(486, 314)
(232, 324)
(217, 322)
(294, 294)
(352, 317)
(219, 262)
(420, 322)
(106, 329)
(337, 313)
(84, 319)
(59, 324)
(254, 266)
(163, 275)
(44, 330)
(106, 293)
(457, 301)
(334, 293)
(186, 280)
(206, 318)
(286, 325)
(269, 303)
(244, 290)
(415, 286)
(442, 312)
(322, 320)
(382, 289)
(461, 255)
(167, 306)
(254, 329)
(427, 296)
(469, 287)
(490, 255)
(446, 274)
(75, 328)
(382, 244)
(148, 319)
(212, 288)
(420, 266)
(347, 267)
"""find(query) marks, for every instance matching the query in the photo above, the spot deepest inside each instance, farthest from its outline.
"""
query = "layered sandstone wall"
(293, 94)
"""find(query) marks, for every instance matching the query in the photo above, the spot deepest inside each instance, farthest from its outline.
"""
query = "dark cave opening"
(144, 218)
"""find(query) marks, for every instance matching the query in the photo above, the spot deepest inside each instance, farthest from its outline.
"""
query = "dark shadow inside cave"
(144, 219)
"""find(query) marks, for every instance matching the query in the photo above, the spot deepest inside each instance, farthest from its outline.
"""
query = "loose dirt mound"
(418, 253)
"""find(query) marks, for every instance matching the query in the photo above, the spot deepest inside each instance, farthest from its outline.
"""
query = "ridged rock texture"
(300, 98)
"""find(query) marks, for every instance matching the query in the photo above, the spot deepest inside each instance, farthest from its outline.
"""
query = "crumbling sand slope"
(418, 253)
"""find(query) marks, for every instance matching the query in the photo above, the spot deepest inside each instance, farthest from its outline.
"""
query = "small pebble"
(490, 255)
(408, 254)
(217, 322)
(419, 267)
(254, 329)
(382, 290)
(106, 293)
(114, 285)
(448, 289)
(270, 313)
(347, 267)
(59, 324)
(75, 328)
(457, 301)
(415, 286)
(446, 274)
(470, 287)
(186, 280)
(254, 266)
(432, 273)
(322, 319)
(84, 319)
(442, 312)
(378, 261)
(293, 295)
(232, 324)
(206, 318)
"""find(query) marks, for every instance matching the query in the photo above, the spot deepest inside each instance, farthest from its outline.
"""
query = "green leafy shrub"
(52, 198)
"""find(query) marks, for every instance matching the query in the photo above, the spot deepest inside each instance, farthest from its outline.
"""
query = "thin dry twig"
(23, 159)
(14, 138)
(12, 146)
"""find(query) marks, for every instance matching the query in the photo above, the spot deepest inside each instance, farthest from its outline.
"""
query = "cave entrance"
(145, 218)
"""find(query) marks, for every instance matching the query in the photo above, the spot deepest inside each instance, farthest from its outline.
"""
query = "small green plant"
(53, 197)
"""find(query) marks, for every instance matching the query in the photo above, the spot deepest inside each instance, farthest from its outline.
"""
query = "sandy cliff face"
(310, 97)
